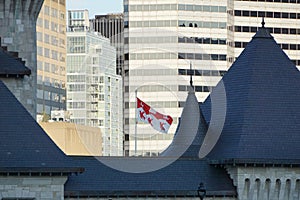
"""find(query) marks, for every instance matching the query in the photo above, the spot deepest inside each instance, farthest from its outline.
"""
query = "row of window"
(276, 1)
(156, 23)
(174, 23)
(190, 56)
(51, 82)
(53, 68)
(150, 40)
(251, 29)
(285, 15)
(205, 8)
(153, 72)
(166, 7)
(200, 56)
(283, 46)
(201, 40)
(152, 88)
(199, 72)
(200, 24)
(76, 44)
(76, 14)
(173, 39)
(151, 56)
(46, 38)
(62, 2)
(59, 28)
(55, 55)
(197, 88)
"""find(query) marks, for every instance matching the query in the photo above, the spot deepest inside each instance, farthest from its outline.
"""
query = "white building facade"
(94, 91)
(162, 39)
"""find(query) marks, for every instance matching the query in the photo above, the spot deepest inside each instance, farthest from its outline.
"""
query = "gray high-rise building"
(112, 26)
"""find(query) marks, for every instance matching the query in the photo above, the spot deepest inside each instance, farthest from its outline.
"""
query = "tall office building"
(51, 57)
(167, 42)
(112, 27)
(94, 90)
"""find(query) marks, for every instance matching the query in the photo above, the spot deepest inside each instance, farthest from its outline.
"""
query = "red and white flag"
(148, 115)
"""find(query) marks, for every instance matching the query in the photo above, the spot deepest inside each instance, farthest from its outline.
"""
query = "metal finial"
(191, 75)
(263, 22)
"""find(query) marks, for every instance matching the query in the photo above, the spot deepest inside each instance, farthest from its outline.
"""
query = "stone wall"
(40, 188)
(18, 33)
(266, 183)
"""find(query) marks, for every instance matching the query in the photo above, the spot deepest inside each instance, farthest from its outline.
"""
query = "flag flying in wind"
(148, 115)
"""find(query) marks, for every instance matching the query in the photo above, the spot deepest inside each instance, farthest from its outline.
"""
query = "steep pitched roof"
(190, 133)
(11, 66)
(181, 178)
(24, 144)
(262, 117)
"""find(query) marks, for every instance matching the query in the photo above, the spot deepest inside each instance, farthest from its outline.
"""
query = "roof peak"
(263, 32)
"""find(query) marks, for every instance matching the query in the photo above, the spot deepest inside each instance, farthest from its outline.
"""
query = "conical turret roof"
(190, 133)
(263, 110)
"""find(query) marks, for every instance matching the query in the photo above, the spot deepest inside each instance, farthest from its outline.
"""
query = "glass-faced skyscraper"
(166, 42)
(94, 90)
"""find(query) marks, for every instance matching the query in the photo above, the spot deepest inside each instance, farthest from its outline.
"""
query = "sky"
(96, 7)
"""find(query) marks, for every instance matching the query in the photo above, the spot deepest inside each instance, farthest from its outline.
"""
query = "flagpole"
(135, 128)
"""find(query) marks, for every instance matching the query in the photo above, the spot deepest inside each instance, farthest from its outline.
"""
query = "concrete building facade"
(162, 41)
(94, 90)
(51, 57)
(167, 42)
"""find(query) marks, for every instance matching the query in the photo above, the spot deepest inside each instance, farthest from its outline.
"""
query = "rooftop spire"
(191, 76)
(263, 22)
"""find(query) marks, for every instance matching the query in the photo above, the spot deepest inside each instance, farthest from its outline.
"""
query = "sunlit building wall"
(51, 57)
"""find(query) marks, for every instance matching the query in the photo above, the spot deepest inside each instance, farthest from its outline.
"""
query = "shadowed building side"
(18, 34)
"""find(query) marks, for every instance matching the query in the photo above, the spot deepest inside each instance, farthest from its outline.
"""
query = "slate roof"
(190, 133)
(181, 178)
(11, 66)
(263, 109)
(24, 145)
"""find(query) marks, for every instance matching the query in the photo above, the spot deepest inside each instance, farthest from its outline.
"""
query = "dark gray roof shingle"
(182, 177)
(262, 117)
(12, 66)
(24, 144)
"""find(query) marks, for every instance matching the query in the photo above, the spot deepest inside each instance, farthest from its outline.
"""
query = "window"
(46, 24)
(39, 36)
